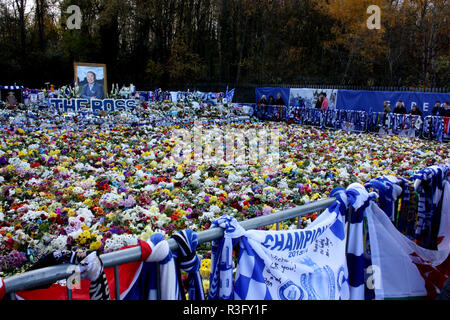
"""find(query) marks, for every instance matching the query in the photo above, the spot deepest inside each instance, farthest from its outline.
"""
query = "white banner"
(309, 97)
(308, 264)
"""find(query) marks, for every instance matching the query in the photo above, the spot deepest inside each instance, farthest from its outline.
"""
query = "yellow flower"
(315, 196)
(205, 268)
(205, 285)
(88, 202)
(95, 245)
(52, 215)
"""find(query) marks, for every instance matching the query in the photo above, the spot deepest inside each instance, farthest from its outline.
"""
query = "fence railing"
(49, 275)
(429, 127)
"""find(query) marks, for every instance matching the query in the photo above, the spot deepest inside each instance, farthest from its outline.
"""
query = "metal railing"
(46, 276)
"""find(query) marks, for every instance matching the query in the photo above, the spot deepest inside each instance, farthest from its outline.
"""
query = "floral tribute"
(103, 188)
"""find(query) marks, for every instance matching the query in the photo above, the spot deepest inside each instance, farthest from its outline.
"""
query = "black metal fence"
(245, 93)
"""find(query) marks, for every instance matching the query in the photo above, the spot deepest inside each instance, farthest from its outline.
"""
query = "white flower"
(118, 241)
(233, 178)
(59, 243)
(343, 174)
(77, 190)
(208, 215)
(209, 183)
(86, 214)
(179, 176)
(33, 215)
(214, 209)
(283, 184)
(2, 216)
(140, 174)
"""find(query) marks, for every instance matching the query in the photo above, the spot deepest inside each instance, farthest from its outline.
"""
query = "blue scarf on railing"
(188, 261)
(406, 220)
(221, 277)
(356, 199)
(388, 189)
(430, 200)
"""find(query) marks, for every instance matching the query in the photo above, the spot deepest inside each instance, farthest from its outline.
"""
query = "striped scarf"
(189, 262)
(406, 219)
(221, 277)
(430, 200)
(389, 190)
(93, 270)
(358, 245)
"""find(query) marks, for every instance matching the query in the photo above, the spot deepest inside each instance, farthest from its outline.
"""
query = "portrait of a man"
(92, 89)
(91, 79)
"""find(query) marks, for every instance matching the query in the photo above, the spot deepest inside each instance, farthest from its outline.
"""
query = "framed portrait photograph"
(92, 80)
(12, 96)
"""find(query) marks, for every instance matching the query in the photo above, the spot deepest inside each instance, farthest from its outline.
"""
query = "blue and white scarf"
(388, 189)
(430, 193)
(189, 262)
(221, 277)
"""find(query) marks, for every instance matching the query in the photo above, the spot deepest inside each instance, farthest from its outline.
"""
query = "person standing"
(387, 107)
(319, 102)
(263, 99)
(324, 106)
(280, 101)
(400, 108)
(445, 111)
(437, 109)
(415, 111)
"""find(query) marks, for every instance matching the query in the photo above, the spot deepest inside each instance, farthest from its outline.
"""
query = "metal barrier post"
(69, 291)
(116, 282)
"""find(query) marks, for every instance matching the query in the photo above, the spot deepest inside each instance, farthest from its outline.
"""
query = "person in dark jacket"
(319, 102)
(415, 111)
(280, 101)
(263, 100)
(445, 112)
(437, 109)
(400, 108)
(271, 101)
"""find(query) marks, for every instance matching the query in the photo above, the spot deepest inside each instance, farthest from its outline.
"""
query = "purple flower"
(14, 259)
(3, 161)
(207, 198)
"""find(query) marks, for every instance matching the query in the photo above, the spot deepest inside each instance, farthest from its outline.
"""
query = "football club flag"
(403, 269)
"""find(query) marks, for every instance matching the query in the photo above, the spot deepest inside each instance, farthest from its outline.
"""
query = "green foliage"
(159, 43)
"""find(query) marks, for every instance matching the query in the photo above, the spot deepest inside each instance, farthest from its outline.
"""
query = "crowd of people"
(322, 102)
(438, 110)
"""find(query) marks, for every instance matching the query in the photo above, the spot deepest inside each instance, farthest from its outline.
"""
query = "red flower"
(35, 165)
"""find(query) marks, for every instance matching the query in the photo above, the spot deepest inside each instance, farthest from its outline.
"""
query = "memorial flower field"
(103, 188)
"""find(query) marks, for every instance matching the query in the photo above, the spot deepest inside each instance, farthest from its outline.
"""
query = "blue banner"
(285, 93)
(374, 100)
